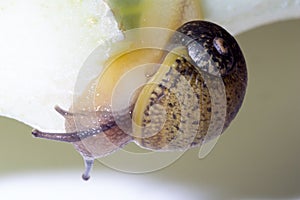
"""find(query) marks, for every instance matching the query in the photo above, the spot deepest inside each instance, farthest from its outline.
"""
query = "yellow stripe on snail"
(167, 112)
(145, 93)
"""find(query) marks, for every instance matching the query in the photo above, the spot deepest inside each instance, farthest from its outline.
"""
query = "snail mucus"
(178, 109)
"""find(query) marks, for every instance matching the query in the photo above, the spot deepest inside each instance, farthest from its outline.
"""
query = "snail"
(180, 107)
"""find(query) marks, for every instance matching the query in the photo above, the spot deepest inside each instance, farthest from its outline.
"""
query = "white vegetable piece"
(43, 45)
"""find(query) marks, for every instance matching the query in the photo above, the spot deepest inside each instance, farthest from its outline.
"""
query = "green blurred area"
(258, 156)
(19, 151)
(127, 12)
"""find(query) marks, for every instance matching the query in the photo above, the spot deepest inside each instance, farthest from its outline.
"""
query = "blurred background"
(256, 158)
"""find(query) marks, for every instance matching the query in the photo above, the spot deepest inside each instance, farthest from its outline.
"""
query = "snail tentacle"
(75, 136)
(66, 114)
(108, 123)
(88, 162)
(62, 137)
(63, 112)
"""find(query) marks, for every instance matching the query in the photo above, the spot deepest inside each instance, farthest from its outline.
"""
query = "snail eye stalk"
(62, 137)
(63, 112)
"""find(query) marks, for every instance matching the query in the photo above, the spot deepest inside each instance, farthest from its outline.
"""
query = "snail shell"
(180, 107)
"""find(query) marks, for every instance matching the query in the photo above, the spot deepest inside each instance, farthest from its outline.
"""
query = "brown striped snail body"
(190, 98)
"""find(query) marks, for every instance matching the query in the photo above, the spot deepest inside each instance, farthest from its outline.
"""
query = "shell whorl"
(210, 47)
